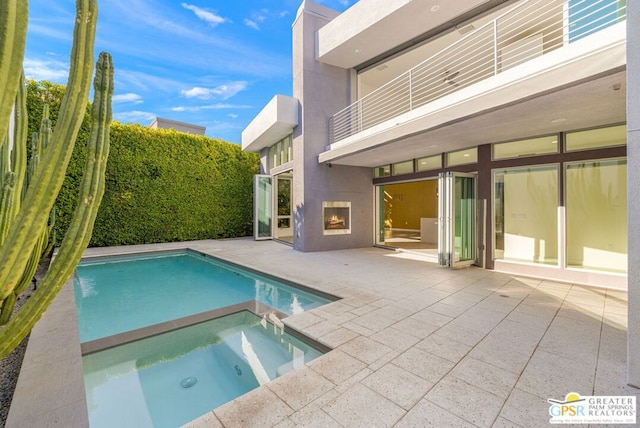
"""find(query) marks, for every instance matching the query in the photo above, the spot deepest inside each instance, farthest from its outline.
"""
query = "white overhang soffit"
(370, 28)
(274, 122)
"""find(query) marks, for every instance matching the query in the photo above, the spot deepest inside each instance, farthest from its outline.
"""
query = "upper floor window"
(281, 152)
(589, 16)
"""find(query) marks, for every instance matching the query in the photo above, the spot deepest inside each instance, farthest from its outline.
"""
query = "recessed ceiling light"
(559, 120)
(435, 8)
(357, 50)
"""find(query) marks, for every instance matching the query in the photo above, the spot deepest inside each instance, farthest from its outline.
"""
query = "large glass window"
(596, 209)
(526, 213)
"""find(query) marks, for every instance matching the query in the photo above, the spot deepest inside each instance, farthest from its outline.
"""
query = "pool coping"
(256, 308)
(97, 345)
(50, 388)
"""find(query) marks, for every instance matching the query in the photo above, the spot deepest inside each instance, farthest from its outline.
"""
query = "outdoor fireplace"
(336, 218)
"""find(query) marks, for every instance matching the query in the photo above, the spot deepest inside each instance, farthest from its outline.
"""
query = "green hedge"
(161, 185)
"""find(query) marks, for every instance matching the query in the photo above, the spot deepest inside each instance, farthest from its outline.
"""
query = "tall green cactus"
(24, 214)
(13, 36)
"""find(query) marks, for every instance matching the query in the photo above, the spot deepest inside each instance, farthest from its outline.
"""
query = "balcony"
(532, 29)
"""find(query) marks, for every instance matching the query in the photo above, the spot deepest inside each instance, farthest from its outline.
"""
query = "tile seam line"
(533, 353)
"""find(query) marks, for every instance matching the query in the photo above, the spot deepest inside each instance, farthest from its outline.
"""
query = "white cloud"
(251, 24)
(217, 106)
(127, 98)
(219, 126)
(144, 82)
(196, 92)
(46, 29)
(223, 91)
(232, 115)
(135, 116)
(221, 106)
(208, 16)
(261, 16)
(50, 70)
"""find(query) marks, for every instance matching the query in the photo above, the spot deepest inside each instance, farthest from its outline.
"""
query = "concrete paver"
(414, 345)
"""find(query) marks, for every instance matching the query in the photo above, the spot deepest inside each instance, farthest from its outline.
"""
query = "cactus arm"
(45, 129)
(49, 175)
(6, 204)
(4, 158)
(13, 35)
(19, 150)
(6, 308)
(79, 233)
(32, 265)
(38, 142)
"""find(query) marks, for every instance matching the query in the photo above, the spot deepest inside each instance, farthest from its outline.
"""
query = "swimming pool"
(170, 379)
(117, 295)
(167, 337)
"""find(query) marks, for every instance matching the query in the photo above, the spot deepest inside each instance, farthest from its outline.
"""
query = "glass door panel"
(262, 205)
(284, 220)
(464, 248)
(457, 219)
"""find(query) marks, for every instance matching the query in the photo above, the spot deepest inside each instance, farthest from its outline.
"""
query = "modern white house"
(497, 133)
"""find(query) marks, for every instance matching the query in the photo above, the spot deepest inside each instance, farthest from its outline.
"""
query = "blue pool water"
(172, 378)
(118, 295)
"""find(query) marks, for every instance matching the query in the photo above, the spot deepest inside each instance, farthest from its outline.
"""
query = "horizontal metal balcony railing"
(529, 30)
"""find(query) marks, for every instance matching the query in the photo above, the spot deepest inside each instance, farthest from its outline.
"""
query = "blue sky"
(214, 63)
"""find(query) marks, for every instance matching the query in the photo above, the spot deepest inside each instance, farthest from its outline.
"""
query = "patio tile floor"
(414, 345)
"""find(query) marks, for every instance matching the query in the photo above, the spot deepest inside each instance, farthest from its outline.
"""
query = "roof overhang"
(370, 28)
(274, 122)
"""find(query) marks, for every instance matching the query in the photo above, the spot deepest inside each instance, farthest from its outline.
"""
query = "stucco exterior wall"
(633, 190)
(323, 90)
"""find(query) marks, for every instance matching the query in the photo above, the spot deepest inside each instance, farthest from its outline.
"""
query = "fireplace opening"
(336, 217)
